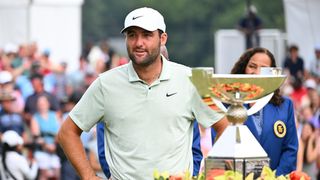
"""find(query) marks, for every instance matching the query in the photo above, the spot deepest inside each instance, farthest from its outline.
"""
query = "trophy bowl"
(237, 149)
(230, 88)
(236, 90)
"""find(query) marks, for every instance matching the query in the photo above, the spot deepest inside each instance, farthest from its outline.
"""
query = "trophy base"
(244, 166)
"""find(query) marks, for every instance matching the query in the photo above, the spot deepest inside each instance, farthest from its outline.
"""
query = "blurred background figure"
(315, 64)
(250, 25)
(7, 84)
(9, 119)
(103, 57)
(314, 101)
(14, 165)
(10, 51)
(61, 84)
(299, 95)
(76, 78)
(31, 101)
(67, 170)
(294, 64)
(44, 127)
(308, 150)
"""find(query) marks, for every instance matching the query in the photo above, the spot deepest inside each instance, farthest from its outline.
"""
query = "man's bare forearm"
(69, 139)
(220, 126)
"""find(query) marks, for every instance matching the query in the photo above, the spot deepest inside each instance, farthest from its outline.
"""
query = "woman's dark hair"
(240, 67)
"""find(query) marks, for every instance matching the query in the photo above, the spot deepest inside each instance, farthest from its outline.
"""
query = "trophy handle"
(259, 104)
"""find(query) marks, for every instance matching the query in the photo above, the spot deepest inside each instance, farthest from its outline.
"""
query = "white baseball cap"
(310, 84)
(10, 48)
(5, 77)
(146, 18)
(12, 138)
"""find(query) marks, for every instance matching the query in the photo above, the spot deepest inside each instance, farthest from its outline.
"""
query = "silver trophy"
(237, 149)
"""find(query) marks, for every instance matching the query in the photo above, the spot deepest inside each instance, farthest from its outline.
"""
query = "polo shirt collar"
(165, 72)
(133, 76)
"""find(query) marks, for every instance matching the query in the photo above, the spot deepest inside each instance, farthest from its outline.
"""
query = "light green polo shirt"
(146, 127)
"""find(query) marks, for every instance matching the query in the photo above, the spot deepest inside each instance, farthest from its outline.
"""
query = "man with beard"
(148, 107)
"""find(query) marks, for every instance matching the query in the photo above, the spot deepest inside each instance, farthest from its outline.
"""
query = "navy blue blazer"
(281, 146)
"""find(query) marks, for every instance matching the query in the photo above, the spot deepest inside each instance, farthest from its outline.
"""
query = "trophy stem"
(238, 137)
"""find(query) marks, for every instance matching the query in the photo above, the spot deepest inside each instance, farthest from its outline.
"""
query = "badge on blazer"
(280, 129)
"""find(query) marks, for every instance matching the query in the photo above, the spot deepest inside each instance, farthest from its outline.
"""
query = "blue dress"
(48, 127)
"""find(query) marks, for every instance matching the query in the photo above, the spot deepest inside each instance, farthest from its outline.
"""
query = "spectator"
(7, 84)
(250, 26)
(314, 99)
(294, 63)
(44, 127)
(38, 86)
(22, 63)
(315, 64)
(10, 120)
(10, 53)
(46, 64)
(67, 171)
(61, 89)
(15, 166)
(111, 58)
(76, 78)
(299, 94)
(308, 150)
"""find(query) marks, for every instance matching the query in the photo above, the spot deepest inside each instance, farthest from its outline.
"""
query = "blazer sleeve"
(288, 159)
(101, 151)
(196, 149)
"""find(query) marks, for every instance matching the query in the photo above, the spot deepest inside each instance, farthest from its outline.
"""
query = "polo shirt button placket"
(148, 90)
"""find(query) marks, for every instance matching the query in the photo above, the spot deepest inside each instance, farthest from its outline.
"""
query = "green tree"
(190, 24)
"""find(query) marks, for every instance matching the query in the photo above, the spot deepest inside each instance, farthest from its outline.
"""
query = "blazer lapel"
(269, 115)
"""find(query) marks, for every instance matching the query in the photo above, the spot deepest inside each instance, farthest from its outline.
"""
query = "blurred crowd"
(303, 87)
(37, 92)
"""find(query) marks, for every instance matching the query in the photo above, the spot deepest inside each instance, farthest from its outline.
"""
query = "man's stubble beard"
(148, 60)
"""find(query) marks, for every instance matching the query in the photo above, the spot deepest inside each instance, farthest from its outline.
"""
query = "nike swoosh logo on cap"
(171, 94)
(133, 18)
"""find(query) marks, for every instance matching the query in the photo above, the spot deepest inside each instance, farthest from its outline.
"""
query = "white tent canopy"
(52, 24)
(303, 26)
(302, 29)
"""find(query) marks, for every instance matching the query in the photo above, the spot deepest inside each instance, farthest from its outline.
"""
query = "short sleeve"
(90, 109)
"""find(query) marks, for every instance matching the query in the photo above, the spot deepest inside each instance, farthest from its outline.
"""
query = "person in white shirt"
(15, 166)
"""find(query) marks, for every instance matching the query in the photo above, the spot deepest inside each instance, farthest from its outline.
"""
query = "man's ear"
(163, 38)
